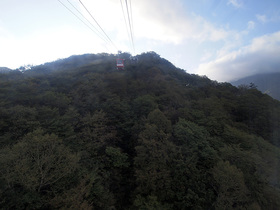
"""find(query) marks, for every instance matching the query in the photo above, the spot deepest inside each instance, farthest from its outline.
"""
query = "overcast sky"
(222, 39)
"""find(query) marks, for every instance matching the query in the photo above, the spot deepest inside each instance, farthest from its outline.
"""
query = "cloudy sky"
(222, 39)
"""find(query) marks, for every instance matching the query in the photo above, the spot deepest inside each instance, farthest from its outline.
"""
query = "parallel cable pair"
(130, 22)
(102, 35)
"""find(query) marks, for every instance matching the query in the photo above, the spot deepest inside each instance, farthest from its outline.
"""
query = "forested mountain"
(78, 134)
(267, 83)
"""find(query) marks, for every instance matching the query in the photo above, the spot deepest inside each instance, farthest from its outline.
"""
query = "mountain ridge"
(150, 136)
(4, 69)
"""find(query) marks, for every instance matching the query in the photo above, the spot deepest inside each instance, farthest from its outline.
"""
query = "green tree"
(191, 166)
(231, 189)
(21, 120)
(159, 119)
(152, 161)
(33, 167)
(37, 162)
(143, 105)
(150, 203)
(95, 133)
(90, 192)
(195, 140)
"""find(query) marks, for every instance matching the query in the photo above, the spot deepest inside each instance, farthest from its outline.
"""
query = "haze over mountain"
(267, 83)
(79, 134)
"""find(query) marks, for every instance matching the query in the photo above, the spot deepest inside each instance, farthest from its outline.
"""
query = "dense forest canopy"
(78, 134)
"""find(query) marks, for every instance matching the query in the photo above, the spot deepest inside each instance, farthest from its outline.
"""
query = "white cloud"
(261, 56)
(166, 20)
(161, 20)
(206, 56)
(262, 18)
(251, 25)
(235, 3)
(267, 19)
(208, 32)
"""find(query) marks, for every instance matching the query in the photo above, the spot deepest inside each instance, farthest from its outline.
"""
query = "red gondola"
(120, 64)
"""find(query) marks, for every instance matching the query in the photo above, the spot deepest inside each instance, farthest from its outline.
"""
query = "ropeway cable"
(100, 35)
(85, 24)
(126, 26)
(98, 24)
(129, 21)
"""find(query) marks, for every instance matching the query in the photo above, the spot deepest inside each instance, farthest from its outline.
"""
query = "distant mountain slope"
(4, 69)
(267, 83)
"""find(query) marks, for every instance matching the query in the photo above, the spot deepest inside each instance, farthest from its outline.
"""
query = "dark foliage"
(78, 134)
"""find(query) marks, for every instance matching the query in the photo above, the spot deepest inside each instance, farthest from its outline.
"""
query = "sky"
(222, 39)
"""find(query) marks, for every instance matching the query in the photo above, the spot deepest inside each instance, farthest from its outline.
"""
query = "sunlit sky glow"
(222, 39)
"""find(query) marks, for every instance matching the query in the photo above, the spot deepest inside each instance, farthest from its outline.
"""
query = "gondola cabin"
(120, 64)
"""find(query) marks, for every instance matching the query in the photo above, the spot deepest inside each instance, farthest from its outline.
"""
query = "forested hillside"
(78, 134)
